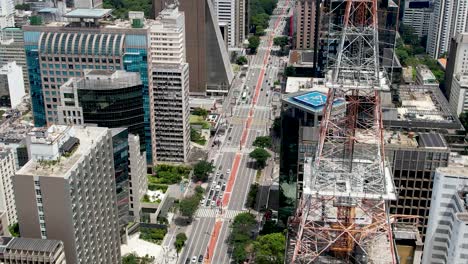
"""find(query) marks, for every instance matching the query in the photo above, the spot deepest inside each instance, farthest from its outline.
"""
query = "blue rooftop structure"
(312, 101)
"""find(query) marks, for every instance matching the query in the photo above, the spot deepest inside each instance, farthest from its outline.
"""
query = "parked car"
(194, 259)
(200, 258)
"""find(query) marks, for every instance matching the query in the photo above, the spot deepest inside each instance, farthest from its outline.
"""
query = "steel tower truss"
(342, 216)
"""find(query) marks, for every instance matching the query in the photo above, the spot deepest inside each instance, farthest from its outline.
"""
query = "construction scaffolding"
(342, 216)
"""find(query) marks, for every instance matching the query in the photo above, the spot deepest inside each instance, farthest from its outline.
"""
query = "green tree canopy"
(259, 30)
(254, 42)
(133, 258)
(188, 206)
(269, 249)
(281, 41)
(200, 112)
(464, 119)
(262, 142)
(241, 60)
(201, 170)
(260, 156)
(180, 241)
(290, 71)
(14, 230)
(241, 235)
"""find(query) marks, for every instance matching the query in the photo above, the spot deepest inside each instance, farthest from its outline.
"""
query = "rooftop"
(104, 80)
(415, 140)
(301, 58)
(311, 101)
(87, 136)
(88, 13)
(295, 84)
(30, 244)
(420, 106)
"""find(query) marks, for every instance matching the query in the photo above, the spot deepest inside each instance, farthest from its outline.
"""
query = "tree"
(14, 230)
(464, 119)
(290, 71)
(133, 258)
(201, 170)
(269, 249)
(188, 206)
(254, 42)
(180, 241)
(241, 60)
(25, 7)
(200, 112)
(259, 30)
(262, 142)
(252, 196)
(281, 41)
(241, 235)
(260, 156)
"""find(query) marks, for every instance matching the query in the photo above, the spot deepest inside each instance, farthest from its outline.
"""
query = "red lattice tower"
(342, 216)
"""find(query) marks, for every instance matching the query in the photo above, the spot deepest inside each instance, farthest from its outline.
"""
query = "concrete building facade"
(12, 49)
(169, 87)
(19, 250)
(457, 60)
(7, 13)
(424, 76)
(226, 16)
(11, 85)
(305, 19)
(448, 19)
(417, 14)
(210, 68)
(447, 232)
(7, 197)
(138, 181)
(241, 18)
(459, 93)
(59, 51)
(67, 192)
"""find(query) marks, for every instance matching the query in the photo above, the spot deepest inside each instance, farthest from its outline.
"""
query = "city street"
(251, 117)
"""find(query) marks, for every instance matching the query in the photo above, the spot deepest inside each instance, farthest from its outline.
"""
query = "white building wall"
(7, 197)
(417, 18)
(458, 94)
(449, 17)
(7, 12)
(447, 232)
(138, 179)
(15, 82)
(226, 15)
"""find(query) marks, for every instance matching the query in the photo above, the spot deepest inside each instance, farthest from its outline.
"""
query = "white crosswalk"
(230, 214)
(205, 212)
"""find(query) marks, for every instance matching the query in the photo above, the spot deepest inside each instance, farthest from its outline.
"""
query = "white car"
(217, 174)
(194, 259)
(213, 203)
(228, 171)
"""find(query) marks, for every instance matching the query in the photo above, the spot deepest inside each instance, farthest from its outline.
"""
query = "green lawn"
(198, 120)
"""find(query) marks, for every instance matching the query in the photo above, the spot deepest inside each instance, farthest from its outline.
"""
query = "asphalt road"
(206, 217)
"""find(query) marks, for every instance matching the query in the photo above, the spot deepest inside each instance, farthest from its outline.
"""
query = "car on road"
(202, 201)
(218, 188)
(221, 176)
(228, 171)
(207, 202)
(213, 203)
(194, 259)
(187, 261)
(218, 173)
(200, 258)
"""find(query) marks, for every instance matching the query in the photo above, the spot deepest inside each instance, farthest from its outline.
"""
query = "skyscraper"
(7, 13)
(447, 231)
(305, 19)
(417, 14)
(457, 60)
(7, 197)
(210, 69)
(448, 19)
(169, 87)
(12, 49)
(67, 192)
(106, 98)
(242, 7)
(58, 51)
(137, 176)
(226, 14)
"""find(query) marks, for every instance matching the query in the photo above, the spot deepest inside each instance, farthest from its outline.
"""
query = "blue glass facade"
(63, 55)
(34, 71)
(136, 60)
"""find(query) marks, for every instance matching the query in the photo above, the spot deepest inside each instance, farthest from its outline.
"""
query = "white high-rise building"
(169, 88)
(67, 192)
(226, 15)
(458, 99)
(12, 84)
(7, 197)
(449, 18)
(447, 230)
(137, 176)
(7, 13)
(417, 14)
